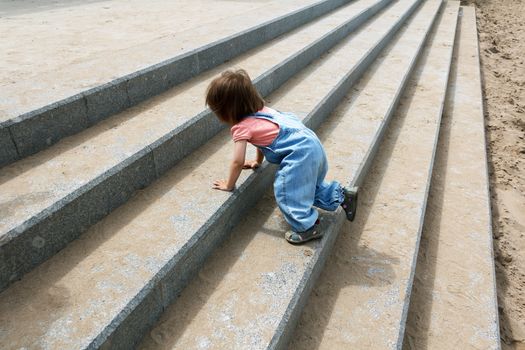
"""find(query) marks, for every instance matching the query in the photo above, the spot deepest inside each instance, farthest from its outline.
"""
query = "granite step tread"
(376, 257)
(251, 291)
(194, 30)
(100, 168)
(454, 300)
(160, 237)
(39, 110)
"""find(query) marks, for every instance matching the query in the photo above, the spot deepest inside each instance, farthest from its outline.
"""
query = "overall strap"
(280, 119)
(264, 115)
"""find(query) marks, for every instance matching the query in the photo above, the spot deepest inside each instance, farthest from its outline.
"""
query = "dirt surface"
(502, 49)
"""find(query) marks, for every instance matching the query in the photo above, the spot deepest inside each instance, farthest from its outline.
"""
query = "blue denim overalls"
(299, 182)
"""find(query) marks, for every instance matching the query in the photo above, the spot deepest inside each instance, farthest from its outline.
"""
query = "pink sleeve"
(240, 132)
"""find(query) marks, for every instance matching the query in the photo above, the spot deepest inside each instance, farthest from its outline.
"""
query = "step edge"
(80, 102)
(487, 177)
(294, 310)
(263, 175)
(151, 155)
(410, 283)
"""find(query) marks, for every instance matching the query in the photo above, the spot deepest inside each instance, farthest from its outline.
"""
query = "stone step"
(454, 303)
(108, 287)
(51, 198)
(251, 291)
(376, 257)
(39, 110)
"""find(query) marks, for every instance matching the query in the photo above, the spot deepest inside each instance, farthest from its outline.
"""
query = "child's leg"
(296, 184)
(299, 184)
(294, 189)
(328, 195)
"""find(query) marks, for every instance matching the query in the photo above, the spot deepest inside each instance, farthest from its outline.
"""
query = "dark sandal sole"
(303, 239)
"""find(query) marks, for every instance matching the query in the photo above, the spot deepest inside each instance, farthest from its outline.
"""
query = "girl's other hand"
(252, 164)
(221, 185)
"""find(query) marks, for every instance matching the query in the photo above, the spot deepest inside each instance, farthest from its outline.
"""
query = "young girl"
(282, 139)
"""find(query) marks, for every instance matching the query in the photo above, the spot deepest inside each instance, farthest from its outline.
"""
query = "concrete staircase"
(112, 237)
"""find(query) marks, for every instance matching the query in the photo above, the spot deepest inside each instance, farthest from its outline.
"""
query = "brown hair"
(232, 96)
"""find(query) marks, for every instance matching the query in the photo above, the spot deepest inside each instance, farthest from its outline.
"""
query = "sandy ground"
(501, 28)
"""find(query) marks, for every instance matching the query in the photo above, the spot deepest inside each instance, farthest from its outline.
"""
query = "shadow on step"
(355, 265)
(56, 289)
(420, 309)
(352, 262)
(202, 289)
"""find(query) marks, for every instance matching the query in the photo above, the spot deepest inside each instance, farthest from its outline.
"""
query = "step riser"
(277, 310)
(170, 149)
(438, 315)
(151, 302)
(283, 72)
(359, 178)
(64, 221)
(165, 284)
(285, 331)
(288, 324)
(410, 283)
(8, 151)
(177, 273)
(37, 130)
(339, 92)
(372, 306)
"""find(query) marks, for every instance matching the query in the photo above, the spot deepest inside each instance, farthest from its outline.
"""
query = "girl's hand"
(252, 164)
(221, 185)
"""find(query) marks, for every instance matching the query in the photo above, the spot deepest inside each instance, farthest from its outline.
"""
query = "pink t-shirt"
(259, 132)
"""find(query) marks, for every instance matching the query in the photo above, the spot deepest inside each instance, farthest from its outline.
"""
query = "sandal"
(313, 232)
(350, 202)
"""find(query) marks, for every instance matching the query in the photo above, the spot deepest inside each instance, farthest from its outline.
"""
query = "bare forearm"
(239, 152)
(235, 171)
